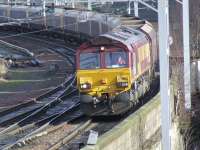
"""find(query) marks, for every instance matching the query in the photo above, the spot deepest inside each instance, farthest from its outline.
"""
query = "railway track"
(73, 134)
(32, 131)
(16, 113)
(47, 114)
(54, 136)
(11, 115)
(61, 49)
(80, 139)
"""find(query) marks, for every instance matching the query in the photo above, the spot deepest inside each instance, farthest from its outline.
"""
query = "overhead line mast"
(186, 48)
(163, 21)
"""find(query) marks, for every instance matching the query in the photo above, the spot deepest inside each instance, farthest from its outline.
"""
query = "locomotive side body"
(115, 69)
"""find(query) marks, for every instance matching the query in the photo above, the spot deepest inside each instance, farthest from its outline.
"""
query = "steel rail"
(77, 131)
(45, 128)
(65, 53)
(35, 114)
(22, 110)
(28, 124)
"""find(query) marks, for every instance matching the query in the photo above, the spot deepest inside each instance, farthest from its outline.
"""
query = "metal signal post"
(163, 21)
(186, 47)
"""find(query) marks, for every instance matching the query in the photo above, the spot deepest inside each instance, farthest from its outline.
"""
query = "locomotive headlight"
(85, 86)
(122, 84)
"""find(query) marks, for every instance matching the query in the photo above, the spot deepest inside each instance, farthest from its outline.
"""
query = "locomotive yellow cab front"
(102, 75)
(101, 82)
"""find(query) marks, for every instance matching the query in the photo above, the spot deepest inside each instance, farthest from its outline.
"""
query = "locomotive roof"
(126, 35)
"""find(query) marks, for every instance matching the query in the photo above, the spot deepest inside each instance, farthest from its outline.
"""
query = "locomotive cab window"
(116, 59)
(89, 60)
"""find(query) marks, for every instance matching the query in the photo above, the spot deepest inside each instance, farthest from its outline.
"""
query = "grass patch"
(28, 85)
(26, 75)
(9, 85)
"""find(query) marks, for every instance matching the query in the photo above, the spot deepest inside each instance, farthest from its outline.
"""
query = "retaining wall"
(134, 132)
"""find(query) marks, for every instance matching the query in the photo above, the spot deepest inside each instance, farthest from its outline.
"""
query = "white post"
(28, 3)
(198, 74)
(100, 27)
(147, 5)
(89, 5)
(73, 4)
(163, 20)
(90, 27)
(136, 8)
(55, 2)
(186, 47)
(129, 7)
(44, 8)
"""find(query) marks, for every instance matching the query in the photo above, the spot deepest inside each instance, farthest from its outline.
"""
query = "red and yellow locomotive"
(116, 68)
